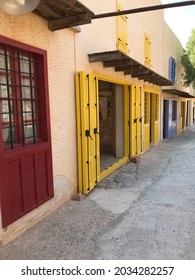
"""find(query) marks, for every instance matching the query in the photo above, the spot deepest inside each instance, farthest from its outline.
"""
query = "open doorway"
(111, 123)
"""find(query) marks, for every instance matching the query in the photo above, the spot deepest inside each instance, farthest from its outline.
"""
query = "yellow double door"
(88, 134)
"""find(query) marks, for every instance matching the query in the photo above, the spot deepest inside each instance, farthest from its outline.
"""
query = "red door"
(26, 179)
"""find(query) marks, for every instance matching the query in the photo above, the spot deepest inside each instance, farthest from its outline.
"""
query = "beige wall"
(64, 60)
(32, 30)
(101, 36)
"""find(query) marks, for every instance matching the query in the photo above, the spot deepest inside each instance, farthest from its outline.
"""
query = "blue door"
(166, 119)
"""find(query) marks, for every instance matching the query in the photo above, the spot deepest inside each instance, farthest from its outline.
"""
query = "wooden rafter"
(124, 63)
(63, 13)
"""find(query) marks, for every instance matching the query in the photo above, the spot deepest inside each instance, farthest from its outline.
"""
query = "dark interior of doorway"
(110, 123)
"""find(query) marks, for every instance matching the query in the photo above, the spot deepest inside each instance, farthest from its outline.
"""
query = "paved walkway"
(141, 211)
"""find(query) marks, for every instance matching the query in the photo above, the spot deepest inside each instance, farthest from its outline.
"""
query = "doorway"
(102, 127)
(111, 123)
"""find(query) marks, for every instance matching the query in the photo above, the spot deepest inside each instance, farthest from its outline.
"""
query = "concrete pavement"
(141, 211)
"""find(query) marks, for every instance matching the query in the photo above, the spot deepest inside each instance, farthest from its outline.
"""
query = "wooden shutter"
(121, 31)
(87, 131)
(147, 50)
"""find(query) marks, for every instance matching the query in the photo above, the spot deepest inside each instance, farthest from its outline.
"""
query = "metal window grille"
(21, 97)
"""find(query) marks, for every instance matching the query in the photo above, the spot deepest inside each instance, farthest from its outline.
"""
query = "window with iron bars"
(22, 98)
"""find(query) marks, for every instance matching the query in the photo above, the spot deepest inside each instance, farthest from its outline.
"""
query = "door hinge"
(87, 134)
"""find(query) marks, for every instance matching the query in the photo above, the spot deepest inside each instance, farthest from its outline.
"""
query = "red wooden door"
(26, 179)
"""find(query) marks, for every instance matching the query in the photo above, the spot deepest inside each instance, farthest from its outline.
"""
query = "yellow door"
(87, 131)
(146, 120)
(155, 117)
(135, 120)
(183, 114)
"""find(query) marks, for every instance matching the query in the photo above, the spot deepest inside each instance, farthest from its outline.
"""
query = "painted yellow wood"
(147, 47)
(121, 31)
(110, 79)
(156, 118)
(133, 126)
(146, 136)
(135, 120)
(139, 118)
(146, 120)
(87, 131)
(151, 89)
(112, 168)
(183, 114)
(126, 122)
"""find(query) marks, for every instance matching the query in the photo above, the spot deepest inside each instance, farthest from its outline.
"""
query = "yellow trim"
(113, 167)
(126, 120)
(107, 78)
(151, 89)
(79, 146)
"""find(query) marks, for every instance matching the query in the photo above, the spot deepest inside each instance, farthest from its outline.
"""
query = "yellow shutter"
(147, 50)
(146, 120)
(87, 131)
(121, 31)
(156, 118)
(135, 120)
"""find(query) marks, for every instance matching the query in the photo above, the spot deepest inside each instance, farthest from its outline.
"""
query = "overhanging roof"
(63, 13)
(178, 92)
(129, 66)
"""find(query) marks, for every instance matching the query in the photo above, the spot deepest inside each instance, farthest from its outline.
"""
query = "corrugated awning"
(63, 13)
(129, 66)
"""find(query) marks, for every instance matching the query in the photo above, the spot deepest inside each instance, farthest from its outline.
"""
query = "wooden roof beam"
(135, 68)
(70, 21)
(117, 63)
(105, 56)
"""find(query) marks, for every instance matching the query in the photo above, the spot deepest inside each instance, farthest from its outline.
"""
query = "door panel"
(87, 131)
(146, 120)
(25, 181)
(135, 120)
(154, 117)
(139, 120)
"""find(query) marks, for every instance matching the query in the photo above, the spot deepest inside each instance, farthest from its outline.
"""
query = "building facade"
(77, 103)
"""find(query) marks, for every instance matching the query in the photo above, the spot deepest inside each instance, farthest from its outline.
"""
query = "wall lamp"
(18, 7)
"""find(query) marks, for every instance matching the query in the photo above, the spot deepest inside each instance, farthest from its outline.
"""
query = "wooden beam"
(69, 21)
(104, 56)
(115, 63)
(130, 68)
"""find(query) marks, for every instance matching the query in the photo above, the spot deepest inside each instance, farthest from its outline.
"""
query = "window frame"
(174, 110)
(172, 69)
(41, 100)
